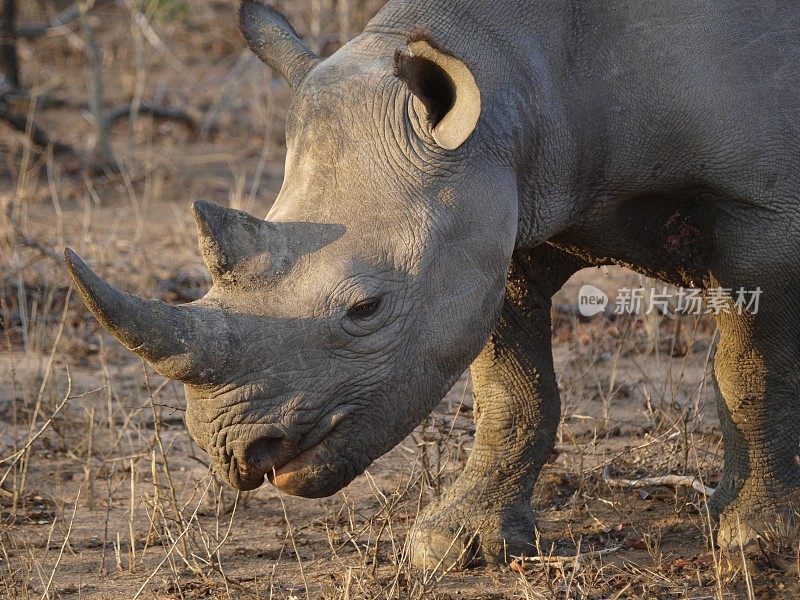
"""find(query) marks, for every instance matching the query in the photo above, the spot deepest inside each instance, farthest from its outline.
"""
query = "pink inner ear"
(453, 128)
(431, 85)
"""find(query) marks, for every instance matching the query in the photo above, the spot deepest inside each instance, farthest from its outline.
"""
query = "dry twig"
(667, 480)
(578, 559)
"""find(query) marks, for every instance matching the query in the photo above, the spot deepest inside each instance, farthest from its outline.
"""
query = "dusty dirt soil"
(104, 495)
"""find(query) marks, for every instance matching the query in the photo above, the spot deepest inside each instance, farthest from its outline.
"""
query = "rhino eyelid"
(364, 309)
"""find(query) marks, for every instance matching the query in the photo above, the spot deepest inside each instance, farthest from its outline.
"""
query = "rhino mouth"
(283, 462)
(264, 456)
(283, 476)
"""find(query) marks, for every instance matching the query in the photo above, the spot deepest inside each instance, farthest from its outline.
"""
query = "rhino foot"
(462, 530)
(756, 523)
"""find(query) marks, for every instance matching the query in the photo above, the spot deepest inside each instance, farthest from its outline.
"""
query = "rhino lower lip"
(292, 464)
(303, 457)
(260, 468)
(287, 461)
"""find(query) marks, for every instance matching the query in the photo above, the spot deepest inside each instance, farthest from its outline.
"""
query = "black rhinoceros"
(447, 171)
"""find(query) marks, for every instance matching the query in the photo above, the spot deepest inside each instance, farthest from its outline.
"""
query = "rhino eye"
(364, 310)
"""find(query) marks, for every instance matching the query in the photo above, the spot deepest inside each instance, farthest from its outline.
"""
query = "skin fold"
(447, 171)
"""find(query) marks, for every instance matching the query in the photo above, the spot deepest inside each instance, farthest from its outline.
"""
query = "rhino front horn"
(173, 339)
(275, 42)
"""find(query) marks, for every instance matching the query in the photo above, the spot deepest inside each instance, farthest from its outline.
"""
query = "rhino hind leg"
(758, 381)
(486, 515)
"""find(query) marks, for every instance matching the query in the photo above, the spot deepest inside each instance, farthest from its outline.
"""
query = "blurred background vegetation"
(151, 56)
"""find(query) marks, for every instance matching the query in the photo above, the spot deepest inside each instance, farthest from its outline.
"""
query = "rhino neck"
(516, 55)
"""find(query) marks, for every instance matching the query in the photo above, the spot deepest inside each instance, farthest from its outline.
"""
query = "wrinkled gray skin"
(658, 135)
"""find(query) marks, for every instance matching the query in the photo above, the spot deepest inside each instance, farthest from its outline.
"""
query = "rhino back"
(641, 94)
(676, 91)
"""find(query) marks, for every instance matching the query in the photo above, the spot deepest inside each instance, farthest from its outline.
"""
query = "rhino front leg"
(759, 383)
(486, 516)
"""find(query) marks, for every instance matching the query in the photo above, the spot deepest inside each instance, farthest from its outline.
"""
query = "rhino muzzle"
(261, 458)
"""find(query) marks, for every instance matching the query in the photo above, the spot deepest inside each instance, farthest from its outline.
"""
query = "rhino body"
(447, 171)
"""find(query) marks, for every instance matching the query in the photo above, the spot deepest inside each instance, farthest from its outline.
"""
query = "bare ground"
(104, 495)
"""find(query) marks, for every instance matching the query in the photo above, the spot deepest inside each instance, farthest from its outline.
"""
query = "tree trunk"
(8, 42)
(102, 155)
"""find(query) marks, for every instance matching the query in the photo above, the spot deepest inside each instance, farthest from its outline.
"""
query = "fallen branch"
(666, 480)
(20, 123)
(152, 110)
(38, 29)
(62, 19)
(557, 561)
(29, 242)
(18, 97)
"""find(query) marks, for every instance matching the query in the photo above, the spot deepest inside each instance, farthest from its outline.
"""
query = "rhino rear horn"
(174, 339)
(236, 246)
(275, 42)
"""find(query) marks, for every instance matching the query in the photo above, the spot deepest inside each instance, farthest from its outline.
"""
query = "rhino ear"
(444, 87)
(275, 42)
(237, 247)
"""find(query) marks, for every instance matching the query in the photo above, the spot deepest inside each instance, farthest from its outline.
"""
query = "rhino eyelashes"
(364, 309)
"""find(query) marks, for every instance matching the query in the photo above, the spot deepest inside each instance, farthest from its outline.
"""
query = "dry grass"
(102, 492)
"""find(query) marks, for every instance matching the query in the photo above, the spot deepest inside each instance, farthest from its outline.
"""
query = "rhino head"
(337, 324)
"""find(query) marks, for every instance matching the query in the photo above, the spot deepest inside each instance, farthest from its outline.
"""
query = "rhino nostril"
(261, 455)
